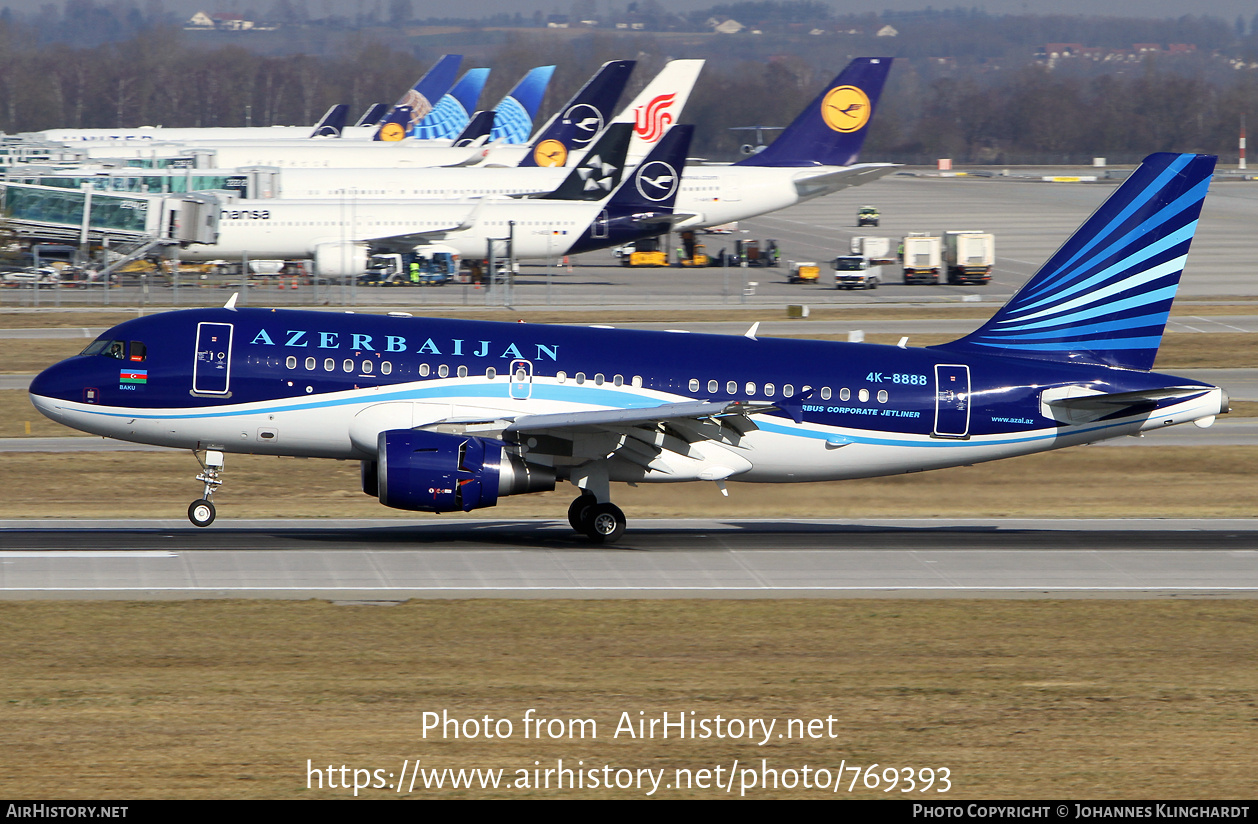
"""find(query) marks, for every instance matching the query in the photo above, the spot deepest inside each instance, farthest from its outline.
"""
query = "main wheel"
(603, 523)
(201, 513)
(577, 509)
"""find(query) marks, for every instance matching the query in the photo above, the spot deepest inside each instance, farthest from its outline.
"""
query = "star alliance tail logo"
(652, 120)
(656, 181)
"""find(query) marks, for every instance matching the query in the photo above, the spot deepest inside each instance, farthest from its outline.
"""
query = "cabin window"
(366, 367)
(386, 368)
(618, 380)
(348, 365)
(462, 371)
(751, 388)
(310, 364)
(329, 365)
(694, 384)
(731, 387)
(845, 394)
(491, 373)
(291, 362)
(138, 351)
(825, 393)
(424, 370)
(443, 371)
(580, 377)
(768, 390)
(637, 382)
(713, 386)
(598, 379)
(788, 391)
(882, 396)
(561, 376)
(863, 395)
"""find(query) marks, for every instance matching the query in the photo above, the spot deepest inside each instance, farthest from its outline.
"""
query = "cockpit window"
(110, 348)
(138, 351)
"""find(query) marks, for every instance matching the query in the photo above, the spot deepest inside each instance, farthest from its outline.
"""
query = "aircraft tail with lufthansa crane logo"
(831, 130)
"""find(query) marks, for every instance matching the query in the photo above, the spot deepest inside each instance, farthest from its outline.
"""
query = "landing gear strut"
(201, 511)
(602, 523)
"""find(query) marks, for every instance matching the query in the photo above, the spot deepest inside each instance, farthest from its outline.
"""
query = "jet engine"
(440, 472)
(336, 259)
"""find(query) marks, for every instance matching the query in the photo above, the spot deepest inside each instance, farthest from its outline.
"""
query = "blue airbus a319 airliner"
(450, 415)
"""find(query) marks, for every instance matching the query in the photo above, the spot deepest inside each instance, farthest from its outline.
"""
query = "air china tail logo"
(845, 109)
(656, 181)
(652, 120)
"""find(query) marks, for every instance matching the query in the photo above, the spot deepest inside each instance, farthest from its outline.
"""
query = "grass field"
(1041, 699)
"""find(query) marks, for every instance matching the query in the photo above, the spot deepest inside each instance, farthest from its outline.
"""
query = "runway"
(382, 560)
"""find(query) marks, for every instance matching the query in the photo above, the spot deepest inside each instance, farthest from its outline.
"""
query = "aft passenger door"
(952, 401)
(521, 379)
(211, 368)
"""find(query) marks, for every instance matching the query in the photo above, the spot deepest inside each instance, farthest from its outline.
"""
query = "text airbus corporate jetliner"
(450, 415)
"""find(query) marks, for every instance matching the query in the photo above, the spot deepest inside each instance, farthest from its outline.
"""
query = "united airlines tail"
(436, 82)
(831, 130)
(332, 123)
(453, 111)
(583, 118)
(1104, 297)
(513, 122)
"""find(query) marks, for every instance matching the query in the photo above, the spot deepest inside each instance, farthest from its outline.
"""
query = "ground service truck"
(923, 257)
(969, 256)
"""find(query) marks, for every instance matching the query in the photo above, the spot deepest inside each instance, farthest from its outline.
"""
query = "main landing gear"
(602, 523)
(201, 511)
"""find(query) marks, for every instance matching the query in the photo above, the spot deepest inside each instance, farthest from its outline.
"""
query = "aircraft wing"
(700, 440)
(410, 239)
(842, 178)
(695, 410)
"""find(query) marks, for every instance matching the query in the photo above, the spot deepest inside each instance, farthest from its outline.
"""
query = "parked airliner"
(450, 415)
(812, 158)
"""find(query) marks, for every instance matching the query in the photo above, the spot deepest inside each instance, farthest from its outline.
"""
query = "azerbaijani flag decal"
(133, 376)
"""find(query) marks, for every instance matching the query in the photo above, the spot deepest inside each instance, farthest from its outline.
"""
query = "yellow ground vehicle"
(692, 252)
(804, 272)
(645, 252)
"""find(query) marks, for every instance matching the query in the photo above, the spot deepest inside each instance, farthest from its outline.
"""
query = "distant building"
(223, 21)
(887, 31)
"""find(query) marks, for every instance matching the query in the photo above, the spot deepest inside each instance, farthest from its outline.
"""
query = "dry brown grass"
(1101, 482)
(228, 699)
(17, 413)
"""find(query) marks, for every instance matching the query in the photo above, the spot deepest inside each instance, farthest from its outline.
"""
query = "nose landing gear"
(201, 511)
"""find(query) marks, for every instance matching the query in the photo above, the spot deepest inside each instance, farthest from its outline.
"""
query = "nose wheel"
(201, 511)
(602, 523)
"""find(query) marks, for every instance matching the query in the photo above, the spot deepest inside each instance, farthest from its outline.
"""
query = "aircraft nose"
(61, 381)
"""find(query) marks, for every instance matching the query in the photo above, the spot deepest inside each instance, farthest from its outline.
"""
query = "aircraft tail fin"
(429, 88)
(654, 184)
(453, 111)
(332, 123)
(1105, 295)
(579, 122)
(373, 114)
(477, 129)
(831, 129)
(395, 125)
(517, 111)
(600, 171)
(659, 105)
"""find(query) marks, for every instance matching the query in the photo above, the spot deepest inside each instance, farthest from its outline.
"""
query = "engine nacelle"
(337, 259)
(439, 472)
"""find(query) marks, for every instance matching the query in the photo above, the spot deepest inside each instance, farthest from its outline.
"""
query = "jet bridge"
(86, 216)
